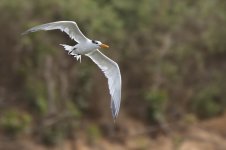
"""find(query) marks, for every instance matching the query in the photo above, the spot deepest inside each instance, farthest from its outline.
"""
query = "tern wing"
(112, 73)
(69, 27)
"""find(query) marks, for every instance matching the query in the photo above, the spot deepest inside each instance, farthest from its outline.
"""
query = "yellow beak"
(104, 46)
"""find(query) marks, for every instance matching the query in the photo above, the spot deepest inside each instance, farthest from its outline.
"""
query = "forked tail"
(67, 47)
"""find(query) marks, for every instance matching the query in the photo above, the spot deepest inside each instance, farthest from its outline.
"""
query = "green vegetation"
(93, 133)
(157, 102)
(14, 122)
(207, 103)
(172, 56)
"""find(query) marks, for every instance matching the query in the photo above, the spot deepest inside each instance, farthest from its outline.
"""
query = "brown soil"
(132, 135)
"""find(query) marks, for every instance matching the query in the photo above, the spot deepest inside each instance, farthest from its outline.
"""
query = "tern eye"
(95, 42)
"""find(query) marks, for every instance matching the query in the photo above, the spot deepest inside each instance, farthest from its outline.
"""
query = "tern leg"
(71, 50)
(78, 57)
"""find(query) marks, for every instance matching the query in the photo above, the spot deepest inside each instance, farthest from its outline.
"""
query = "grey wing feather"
(112, 73)
(69, 27)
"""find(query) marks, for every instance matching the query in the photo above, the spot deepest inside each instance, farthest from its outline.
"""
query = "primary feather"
(112, 73)
(69, 27)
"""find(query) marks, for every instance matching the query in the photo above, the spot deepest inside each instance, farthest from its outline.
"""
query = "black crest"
(94, 42)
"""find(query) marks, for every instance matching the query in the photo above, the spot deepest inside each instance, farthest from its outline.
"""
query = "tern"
(89, 48)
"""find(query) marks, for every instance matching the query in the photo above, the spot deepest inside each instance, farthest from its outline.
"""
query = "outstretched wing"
(69, 27)
(112, 73)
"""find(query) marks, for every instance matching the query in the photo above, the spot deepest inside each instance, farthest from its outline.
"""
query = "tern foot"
(78, 57)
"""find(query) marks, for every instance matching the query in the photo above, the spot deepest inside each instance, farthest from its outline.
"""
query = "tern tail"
(67, 47)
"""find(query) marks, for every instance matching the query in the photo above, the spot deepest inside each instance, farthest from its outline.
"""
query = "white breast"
(85, 48)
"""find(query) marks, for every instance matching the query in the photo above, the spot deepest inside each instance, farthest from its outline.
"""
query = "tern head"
(98, 44)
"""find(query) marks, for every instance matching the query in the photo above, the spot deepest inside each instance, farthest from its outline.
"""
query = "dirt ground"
(206, 135)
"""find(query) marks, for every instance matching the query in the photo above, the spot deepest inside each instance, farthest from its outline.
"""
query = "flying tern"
(88, 47)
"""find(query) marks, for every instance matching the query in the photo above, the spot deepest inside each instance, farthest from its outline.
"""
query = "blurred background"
(172, 56)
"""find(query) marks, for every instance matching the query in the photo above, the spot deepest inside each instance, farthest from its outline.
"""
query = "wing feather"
(69, 27)
(112, 73)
